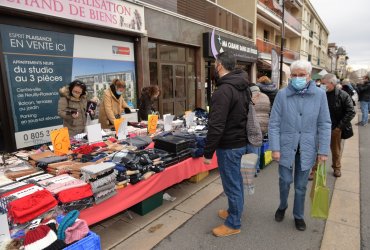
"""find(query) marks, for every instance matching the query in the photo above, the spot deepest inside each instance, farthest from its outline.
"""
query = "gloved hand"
(127, 110)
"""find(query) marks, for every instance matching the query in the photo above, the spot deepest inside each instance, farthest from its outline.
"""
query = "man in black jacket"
(364, 98)
(341, 113)
(228, 137)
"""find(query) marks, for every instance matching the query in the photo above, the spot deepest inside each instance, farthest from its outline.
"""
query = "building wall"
(244, 8)
(314, 38)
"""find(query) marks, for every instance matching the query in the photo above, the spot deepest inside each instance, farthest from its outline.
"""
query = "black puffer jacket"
(268, 89)
(343, 112)
(228, 116)
(146, 107)
(364, 92)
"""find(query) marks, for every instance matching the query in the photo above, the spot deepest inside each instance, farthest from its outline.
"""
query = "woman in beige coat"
(113, 104)
(72, 107)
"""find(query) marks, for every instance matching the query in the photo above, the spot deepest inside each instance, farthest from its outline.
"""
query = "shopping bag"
(320, 199)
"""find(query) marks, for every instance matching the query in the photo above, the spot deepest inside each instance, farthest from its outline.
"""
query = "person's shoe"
(279, 214)
(337, 173)
(222, 213)
(311, 176)
(300, 224)
(222, 231)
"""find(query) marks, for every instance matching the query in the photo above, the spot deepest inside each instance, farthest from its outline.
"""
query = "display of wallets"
(172, 144)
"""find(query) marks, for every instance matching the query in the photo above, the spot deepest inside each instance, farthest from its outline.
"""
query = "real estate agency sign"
(109, 13)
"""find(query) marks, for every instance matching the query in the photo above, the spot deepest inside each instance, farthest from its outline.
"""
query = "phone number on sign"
(34, 137)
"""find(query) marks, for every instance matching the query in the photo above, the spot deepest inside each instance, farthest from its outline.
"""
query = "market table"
(133, 194)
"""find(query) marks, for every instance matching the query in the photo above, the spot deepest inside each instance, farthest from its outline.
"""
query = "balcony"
(266, 47)
(273, 7)
(207, 12)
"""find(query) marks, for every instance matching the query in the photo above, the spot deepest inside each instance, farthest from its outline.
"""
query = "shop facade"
(46, 46)
(179, 54)
(96, 43)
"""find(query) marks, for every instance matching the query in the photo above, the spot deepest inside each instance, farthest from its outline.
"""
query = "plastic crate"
(90, 242)
(149, 204)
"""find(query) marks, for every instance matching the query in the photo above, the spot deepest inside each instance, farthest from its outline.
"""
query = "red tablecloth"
(133, 194)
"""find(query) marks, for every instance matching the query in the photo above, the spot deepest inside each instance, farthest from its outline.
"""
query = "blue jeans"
(232, 182)
(300, 186)
(255, 150)
(365, 107)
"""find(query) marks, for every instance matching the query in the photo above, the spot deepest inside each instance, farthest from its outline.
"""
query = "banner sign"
(214, 44)
(275, 73)
(109, 13)
(38, 63)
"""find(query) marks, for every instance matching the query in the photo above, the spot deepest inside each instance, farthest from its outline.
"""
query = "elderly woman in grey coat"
(299, 132)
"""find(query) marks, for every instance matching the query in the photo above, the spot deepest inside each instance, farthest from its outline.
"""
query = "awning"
(266, 65)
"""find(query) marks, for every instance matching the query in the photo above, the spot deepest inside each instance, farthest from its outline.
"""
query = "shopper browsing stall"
(147, 98)
(72, 107)
(113, 104)
(228, 137)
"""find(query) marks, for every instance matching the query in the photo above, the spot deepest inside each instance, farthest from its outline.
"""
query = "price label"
(152, 123)
(117, 124)
(60, 141)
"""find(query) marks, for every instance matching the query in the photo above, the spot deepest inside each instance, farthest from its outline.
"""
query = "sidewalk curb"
(343, 229)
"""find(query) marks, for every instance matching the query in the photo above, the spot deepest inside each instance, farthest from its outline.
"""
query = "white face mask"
(323, 86)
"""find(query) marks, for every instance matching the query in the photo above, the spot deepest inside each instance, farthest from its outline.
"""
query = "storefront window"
(191, 87)
(191, 55)
(174, 72)
(167, 83)
(179, 108)
(172, 53)
(180, 82)
(153, 73)
(168, 108)
(152, 50)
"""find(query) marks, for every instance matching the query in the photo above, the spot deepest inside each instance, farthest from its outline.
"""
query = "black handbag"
(347, 131)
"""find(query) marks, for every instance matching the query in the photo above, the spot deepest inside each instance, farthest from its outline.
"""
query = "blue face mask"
(119, 92)
(298, 83)
(322, 86)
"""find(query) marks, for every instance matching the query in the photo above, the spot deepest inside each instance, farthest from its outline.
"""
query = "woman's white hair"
(300, 64)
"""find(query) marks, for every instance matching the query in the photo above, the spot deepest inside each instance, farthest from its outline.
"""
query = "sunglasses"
(78, 83)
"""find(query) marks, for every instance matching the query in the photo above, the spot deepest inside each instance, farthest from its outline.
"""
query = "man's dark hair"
(227, 60)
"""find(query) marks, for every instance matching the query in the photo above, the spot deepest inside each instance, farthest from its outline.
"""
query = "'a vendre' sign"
(110, 13)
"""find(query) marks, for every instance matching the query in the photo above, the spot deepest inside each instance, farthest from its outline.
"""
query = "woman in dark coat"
(148, 95)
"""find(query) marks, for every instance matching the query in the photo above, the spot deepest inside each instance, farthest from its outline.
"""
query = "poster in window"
(38, 63)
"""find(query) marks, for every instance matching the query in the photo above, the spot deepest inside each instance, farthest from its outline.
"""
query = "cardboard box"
(198, 177)
(148, 205)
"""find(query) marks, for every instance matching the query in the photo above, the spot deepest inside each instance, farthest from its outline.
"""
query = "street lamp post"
(282, 41)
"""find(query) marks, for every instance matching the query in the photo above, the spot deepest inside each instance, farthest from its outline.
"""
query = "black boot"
(279, 215)
(300, 224)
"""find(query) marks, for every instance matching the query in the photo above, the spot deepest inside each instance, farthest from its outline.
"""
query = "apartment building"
(314, 41)
(268, 37)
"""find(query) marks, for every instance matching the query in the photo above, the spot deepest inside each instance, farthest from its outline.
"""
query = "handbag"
(253, 127)
(320, 197)
(347, 131)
